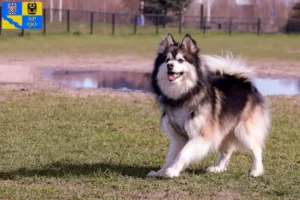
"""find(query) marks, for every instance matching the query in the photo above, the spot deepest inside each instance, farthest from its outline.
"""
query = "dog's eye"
(180, 60)
(167, 60)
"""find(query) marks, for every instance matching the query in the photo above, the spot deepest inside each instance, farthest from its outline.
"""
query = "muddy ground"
(25, 73)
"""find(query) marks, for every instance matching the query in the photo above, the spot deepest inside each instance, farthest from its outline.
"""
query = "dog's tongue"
(172, 77)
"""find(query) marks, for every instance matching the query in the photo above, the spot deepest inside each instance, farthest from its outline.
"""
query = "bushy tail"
(227, 65)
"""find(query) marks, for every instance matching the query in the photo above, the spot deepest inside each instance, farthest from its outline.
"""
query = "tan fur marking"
(247, 110)
(256, 118)
(208, 130)
(218, 105)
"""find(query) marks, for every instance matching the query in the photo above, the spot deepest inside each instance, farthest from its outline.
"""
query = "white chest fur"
(187, 122)
(178, 117)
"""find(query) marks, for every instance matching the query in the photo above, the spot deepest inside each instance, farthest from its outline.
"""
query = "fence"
(90, 22)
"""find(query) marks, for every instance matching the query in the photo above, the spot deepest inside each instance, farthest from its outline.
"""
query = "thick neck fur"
(192, 96)
(194, 88)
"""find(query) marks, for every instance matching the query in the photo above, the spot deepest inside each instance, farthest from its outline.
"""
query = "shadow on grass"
(60, 169)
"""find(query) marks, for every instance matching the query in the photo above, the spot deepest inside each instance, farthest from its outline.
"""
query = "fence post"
(204, 26)
(92, 22)
(201, 16)
(156, 23)
(44, 21)
(288, 27)
(0, 20)
(180, 24)
(258, 26)
(68, 21)
(164, 21)
(230, 26)
(113, 23)
(22, 32)
(135, 24)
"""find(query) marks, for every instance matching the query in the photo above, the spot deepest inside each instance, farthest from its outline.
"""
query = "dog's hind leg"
(195, 149)
(252, 134)
(247, 137)
(177, 142)
(226, 149)
(257, 168)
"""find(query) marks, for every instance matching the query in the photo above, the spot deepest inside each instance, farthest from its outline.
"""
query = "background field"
(265, 47)
(62, 143)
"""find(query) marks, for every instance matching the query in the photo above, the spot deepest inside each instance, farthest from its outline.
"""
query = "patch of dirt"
(296, 51)
(25, 73)
(228, 195)
(276, 68)
(15, 73)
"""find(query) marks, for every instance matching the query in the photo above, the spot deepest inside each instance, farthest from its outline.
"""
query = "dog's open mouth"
(172, 76)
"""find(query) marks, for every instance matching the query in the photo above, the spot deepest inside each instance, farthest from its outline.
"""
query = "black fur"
(236, 92)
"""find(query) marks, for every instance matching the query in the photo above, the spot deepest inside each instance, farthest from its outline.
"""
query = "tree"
(164, 6)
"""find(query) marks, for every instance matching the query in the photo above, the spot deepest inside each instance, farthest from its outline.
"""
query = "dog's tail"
(227, 65)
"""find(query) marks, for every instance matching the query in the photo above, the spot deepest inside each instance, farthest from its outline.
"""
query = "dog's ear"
(189, 44)
(165, 43)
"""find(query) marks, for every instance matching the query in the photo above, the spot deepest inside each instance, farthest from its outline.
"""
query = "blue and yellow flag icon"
(22, 15)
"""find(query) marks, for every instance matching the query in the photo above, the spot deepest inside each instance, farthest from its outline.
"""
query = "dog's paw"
(171, 173)
(168, 173)
(256, 173)
(216, 169)
(152, 174)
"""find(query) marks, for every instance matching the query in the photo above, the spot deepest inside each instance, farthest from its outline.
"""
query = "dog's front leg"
(195, 150)
(177, 142)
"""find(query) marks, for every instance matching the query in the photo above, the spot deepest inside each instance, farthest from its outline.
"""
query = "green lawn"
(278, 47)
(56, 147)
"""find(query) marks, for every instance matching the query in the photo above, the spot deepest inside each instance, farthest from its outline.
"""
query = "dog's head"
(177, 67)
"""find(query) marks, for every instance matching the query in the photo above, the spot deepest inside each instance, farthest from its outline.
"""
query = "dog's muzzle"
(172, 76)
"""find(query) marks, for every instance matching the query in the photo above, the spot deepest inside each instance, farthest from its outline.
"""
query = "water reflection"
(117, 80)
(278, 86)
(139, 81)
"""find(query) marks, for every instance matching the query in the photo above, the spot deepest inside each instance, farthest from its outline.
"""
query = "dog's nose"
(170, 66)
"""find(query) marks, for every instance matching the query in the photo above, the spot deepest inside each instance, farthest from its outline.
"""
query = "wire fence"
(78, 22)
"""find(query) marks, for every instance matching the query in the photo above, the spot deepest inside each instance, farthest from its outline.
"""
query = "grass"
(55, 147)
(277, 47)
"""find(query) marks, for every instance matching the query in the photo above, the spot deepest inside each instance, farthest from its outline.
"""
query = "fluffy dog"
(208, 103)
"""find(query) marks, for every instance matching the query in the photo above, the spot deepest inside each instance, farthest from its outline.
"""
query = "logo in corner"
(31, 8)
(22, 15)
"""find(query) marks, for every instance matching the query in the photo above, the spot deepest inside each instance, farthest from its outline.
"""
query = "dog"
(208, 103)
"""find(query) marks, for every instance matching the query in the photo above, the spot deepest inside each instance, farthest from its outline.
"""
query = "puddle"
(117, 80)
(278, 85)
(139, 81)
